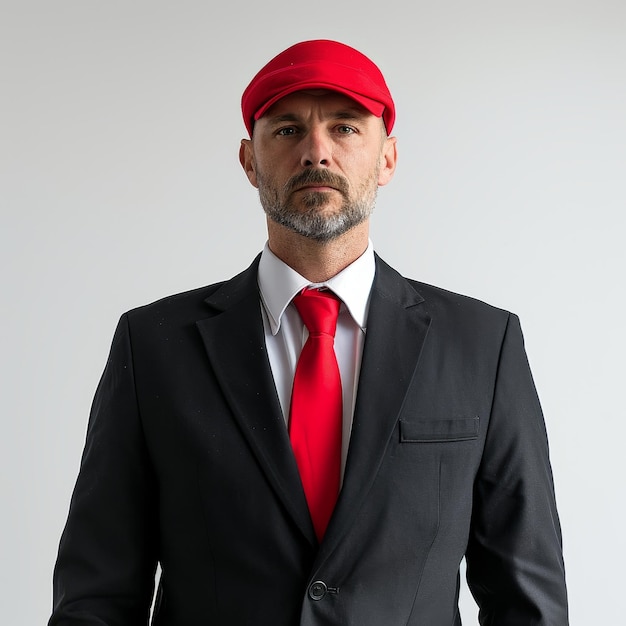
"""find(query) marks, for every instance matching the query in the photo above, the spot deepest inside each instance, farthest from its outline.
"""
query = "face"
(317, 159)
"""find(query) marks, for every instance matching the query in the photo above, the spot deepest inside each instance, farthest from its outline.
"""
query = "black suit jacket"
(187, 462)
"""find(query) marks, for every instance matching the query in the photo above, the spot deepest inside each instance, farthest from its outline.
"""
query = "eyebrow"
(342, 114)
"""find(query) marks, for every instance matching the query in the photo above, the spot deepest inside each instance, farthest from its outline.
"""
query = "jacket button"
(317, 590)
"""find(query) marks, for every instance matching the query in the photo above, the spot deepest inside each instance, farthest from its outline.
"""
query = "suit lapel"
(234, 340)
(396, 329)
(235, 343)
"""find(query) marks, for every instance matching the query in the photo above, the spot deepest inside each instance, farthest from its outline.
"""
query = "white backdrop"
(120, 183)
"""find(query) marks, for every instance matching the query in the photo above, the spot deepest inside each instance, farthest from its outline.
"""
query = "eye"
(286, 131)
(344, 129)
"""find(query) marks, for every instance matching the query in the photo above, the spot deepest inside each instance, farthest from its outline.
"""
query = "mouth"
(316, 188)
(317, 181)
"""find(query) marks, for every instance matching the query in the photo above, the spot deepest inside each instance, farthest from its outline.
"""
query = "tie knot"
(318, 310)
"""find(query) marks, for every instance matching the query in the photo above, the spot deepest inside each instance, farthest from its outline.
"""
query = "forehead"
(327, 103)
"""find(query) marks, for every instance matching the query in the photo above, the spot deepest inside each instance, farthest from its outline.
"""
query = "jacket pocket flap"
(462, 429)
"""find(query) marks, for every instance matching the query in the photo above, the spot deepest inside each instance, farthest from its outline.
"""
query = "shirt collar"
(279, 283)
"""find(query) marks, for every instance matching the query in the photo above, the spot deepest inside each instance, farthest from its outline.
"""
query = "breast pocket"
(439, 431)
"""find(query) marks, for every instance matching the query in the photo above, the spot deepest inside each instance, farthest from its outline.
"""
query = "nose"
(316, 149)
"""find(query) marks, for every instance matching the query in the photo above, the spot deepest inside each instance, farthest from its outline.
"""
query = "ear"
(246, 158)
(388, 158)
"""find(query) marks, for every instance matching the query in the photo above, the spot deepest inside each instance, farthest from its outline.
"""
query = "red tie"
(316, 407)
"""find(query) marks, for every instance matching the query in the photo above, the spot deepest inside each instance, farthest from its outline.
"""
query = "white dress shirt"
(285, 334)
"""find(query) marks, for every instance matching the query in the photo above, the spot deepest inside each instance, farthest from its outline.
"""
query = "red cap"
(319, 64)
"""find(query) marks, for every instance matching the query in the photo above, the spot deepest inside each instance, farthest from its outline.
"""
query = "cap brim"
(373, 106)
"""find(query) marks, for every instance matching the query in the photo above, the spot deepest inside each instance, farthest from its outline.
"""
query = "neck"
(317, 261)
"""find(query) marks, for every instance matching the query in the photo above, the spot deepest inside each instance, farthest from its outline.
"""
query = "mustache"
(317, 177)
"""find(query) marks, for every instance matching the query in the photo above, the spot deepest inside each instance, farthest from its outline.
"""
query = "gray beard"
(308, 221)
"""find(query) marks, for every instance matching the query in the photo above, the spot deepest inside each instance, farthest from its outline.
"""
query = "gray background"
(120, 184)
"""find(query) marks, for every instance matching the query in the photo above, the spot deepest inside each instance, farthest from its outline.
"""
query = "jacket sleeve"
(104, 573)
(514, 558)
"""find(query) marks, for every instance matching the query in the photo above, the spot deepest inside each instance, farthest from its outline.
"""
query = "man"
(212, 450)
